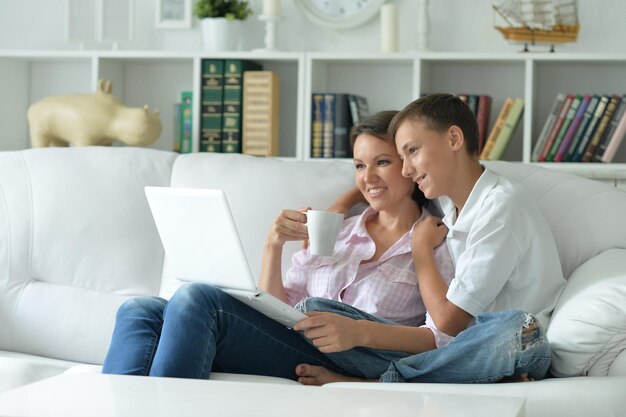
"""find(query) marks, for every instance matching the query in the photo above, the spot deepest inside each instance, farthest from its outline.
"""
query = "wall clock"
(339, 14)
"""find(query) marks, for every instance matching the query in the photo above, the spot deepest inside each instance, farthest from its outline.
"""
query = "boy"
(504, 254)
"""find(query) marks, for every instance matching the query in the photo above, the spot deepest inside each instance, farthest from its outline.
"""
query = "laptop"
(201, 243)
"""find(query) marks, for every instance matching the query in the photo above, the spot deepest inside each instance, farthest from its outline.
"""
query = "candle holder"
(270, 33)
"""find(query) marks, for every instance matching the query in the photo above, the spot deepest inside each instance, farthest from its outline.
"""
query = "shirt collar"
(472, 207)
(403, 245)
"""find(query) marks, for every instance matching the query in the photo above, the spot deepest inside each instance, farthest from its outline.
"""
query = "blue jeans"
(497, 345)
(503, 344)
(202, 329)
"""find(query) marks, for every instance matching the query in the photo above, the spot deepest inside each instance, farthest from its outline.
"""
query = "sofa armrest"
(588, 327)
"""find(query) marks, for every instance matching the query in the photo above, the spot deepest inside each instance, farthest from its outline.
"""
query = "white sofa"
(77, 239)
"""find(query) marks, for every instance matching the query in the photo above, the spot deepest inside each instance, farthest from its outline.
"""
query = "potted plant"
(221, 22)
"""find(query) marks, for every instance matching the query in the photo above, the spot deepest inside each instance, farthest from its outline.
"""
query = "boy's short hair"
(439, 112)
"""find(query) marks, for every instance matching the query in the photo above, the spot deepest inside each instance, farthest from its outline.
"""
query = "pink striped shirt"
(386, 288)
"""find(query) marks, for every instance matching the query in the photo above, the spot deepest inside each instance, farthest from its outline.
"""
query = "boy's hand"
(289, 225)
(330, 332)
(428, 234)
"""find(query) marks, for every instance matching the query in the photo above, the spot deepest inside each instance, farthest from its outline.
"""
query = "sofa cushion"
(588, 328)
(565, 201)
(257, 189)
(77, 240)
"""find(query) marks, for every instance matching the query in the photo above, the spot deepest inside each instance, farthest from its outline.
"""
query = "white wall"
(455, 26)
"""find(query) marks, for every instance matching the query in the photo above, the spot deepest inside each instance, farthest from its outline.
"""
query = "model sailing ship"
(539, 21)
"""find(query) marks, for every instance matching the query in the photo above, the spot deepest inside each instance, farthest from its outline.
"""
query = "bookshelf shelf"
(389, 81)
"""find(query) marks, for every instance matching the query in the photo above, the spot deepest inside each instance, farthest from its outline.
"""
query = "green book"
(506, 133)
(212, 88)
(185, 122)
(233, 98)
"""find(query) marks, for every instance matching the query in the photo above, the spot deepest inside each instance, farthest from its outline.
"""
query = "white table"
(84, 395)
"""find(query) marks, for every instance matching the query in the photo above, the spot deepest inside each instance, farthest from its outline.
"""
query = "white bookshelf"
(389, 81)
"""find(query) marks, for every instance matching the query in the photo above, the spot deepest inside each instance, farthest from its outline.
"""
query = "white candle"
(388, 28)
(271, 8)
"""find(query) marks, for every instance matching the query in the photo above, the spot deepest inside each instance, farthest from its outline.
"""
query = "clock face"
(339, 14)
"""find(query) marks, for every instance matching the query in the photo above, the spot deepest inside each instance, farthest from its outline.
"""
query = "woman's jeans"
(202, 329)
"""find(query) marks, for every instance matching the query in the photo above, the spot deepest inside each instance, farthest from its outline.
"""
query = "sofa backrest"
(586, 216)
(76, 238)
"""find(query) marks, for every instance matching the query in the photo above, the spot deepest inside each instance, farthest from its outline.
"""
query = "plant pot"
(221, 34)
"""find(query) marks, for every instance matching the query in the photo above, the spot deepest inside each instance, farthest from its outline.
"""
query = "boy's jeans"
(502, 344)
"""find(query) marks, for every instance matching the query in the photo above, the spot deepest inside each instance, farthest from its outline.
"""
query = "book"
(610, 130)
(571, 131)
(580, 132)
(328, 127)
(233, 95)
(317, 124)
(211, 111)
(472, 102)
(602, 125)
(508, 129)
(616, 140)
(555, 128)
(497, 127)
(359, 108)
(177, 131)
(186, 122)
(547, 126)
(343, 123)
(261, 107)
(482, 118)
(591, 128)
(558, 139)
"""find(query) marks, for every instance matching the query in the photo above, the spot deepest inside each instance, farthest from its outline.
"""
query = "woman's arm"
(289, 225)
(346, 201)
(332, 332)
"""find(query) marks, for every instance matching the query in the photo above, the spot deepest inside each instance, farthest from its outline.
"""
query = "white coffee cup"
(324, 228)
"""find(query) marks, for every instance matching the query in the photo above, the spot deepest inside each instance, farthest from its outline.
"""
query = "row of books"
(238, 109)
(582, 128)
(332, 117)
(334, 114)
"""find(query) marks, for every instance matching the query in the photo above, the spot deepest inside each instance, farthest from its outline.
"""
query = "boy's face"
(427, 157)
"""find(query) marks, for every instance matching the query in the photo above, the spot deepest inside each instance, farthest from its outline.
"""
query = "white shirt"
(503, 250)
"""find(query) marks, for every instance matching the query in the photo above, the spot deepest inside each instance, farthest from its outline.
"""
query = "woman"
(202, 329)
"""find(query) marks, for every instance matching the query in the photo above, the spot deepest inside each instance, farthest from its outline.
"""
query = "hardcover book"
(482, 118)
(261, 108)
(328, 130)
(233, 95)
(186, 122)
(317, 124)
(343, 123)
(212, 89)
